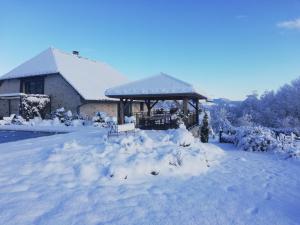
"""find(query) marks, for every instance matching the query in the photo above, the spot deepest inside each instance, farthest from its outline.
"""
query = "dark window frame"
(33, 85)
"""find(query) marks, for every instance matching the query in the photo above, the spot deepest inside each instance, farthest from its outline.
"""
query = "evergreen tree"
(205, 129)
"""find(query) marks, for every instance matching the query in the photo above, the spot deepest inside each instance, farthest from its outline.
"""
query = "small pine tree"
(205, 129)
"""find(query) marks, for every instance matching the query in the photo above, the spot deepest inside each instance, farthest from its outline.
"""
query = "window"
(128, 109)
(142, 106)
(33, 86)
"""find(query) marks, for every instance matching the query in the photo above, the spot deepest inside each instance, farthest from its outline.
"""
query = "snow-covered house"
(70, 80)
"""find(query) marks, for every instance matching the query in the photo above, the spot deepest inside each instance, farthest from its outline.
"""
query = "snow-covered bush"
(177, 159)
(205, 129)
(288, 131)
(220, 118)
(65, 117)
(130, 119)
(227, 137)
(255, 139)
(275, 109)
(34, 105)
(60, 114)
(182, 136)
(99, 117)
(13, 119)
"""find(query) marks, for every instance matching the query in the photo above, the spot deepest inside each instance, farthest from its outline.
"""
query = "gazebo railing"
(162, 121)
(190, 120)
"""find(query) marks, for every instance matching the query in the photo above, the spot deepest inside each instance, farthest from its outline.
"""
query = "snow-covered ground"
(83, 177)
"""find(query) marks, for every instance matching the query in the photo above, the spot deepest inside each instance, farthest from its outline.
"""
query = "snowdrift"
(83, 160)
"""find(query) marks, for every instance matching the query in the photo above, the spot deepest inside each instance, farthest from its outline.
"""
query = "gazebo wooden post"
(185, 111)
(148, 104)
(185, 106)
(9, 107)
(131, 105)
(121, 112)
(20, 106)
(197, 111)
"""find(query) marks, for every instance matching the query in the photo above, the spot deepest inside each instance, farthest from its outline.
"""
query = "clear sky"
(227, 48)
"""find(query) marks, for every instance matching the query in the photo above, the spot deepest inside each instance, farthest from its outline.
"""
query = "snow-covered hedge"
(263, 139)
(34, 105)
(255, 139)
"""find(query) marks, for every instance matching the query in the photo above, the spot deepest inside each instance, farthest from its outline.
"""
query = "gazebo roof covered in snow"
(161, 86)
(89, 78)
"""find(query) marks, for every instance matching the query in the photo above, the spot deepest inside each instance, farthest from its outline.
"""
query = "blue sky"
(227, 48)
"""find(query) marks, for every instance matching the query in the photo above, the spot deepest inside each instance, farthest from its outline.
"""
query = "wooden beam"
(194, 106)
(197, 111)
(121, 112)
(148, 104)
(185, 106)
(154, 104)
(9, 107)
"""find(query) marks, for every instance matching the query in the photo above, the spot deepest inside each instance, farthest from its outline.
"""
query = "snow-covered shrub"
(255, 139)
(288, 131)
(177, 159)
(205, 129)
(99, 117)
(34, 105)
(182, 136)
(13, 119)
(60, 114)
(220, 118)
(294, 152)
(180, 118)
(112, 120)
(227, 138)
(159, 111)
(65, 117)
(130, 119)
(288, 145)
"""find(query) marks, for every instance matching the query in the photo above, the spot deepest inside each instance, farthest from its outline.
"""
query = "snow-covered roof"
(161, 84)
(89, 78)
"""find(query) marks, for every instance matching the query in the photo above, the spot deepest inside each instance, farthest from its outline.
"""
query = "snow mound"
(134, 157)
(182, 136)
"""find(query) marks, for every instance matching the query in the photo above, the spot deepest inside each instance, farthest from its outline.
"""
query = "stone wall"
(61, 93)
(10, 86)
(89, 109)
(6, 87)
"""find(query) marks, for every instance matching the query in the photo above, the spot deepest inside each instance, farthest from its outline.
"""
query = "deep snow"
(79, 178)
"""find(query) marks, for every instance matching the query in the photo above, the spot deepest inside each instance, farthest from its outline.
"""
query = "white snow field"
(84, 178)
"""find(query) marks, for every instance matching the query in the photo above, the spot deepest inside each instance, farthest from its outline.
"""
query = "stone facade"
(111, 108)
(9, 86)
(3, 108)
(61, 93)
(89, 109)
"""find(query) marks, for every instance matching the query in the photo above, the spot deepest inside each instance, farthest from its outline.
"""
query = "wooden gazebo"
(151, 90)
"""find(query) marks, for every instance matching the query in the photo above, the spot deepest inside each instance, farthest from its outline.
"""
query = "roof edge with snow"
(158, 86)
(89, 78)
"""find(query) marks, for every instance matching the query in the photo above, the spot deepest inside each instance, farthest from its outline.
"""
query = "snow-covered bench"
(119, 128)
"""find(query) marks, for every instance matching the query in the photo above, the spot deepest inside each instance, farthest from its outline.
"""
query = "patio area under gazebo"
(150, 91)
